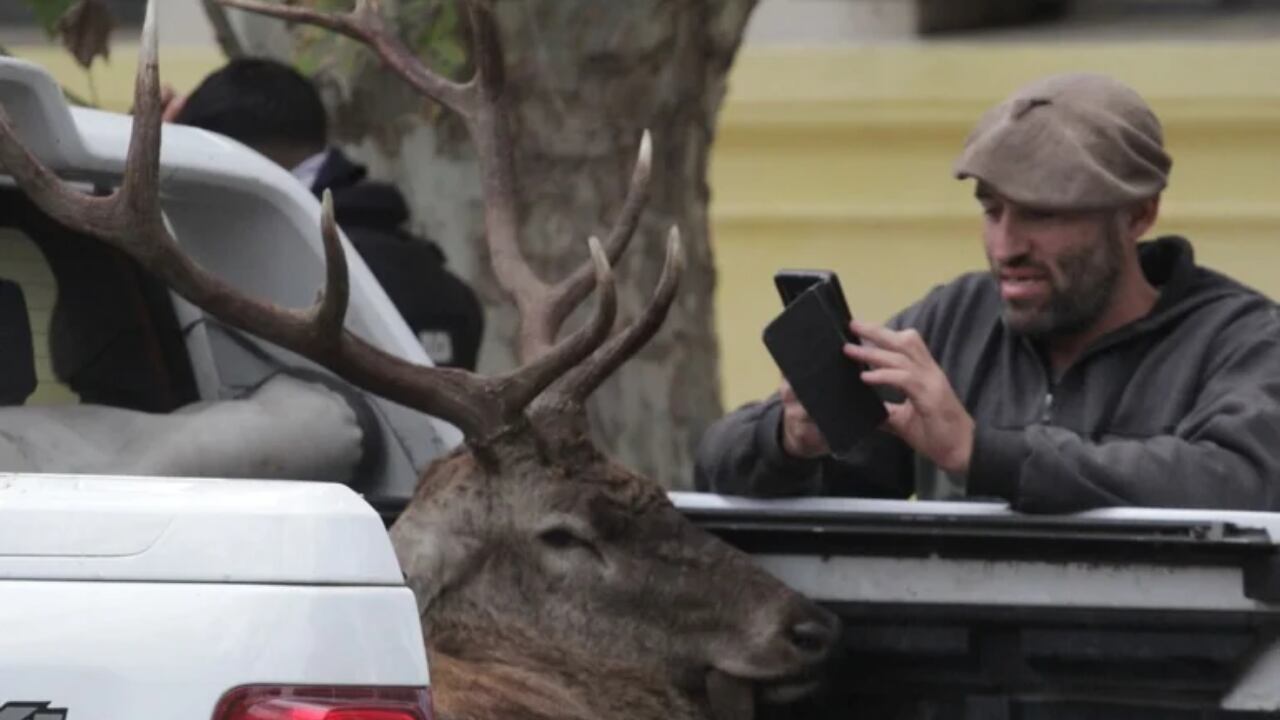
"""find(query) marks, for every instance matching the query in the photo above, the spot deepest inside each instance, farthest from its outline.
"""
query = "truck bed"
(969, 610)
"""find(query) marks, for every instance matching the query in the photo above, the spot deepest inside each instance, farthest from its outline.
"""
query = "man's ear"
(1140, 217)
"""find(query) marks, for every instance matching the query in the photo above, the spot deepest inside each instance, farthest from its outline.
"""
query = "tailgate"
(123, 651)
(125, 598)
(971, 603)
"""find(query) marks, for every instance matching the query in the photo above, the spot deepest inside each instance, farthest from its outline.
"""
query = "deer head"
(551, 581)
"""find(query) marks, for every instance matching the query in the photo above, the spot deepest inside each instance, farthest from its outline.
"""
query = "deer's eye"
(563, 538)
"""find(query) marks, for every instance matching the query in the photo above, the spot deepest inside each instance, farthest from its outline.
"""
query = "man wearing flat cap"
(1086, 369)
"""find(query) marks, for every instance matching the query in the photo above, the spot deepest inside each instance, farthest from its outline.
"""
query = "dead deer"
(552, 583)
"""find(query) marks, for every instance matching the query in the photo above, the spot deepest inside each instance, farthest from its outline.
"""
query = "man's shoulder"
(1219, 312)
(1223, 287)
(1221, 294)
(1190, 290)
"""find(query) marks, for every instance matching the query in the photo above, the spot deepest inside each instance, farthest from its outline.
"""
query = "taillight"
(281, 702)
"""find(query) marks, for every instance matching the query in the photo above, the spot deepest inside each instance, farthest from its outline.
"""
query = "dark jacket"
(440, 308)
(17, 349)
(112, 336)
(1178, 409)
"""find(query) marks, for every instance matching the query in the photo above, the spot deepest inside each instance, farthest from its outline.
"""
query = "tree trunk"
(586, 79)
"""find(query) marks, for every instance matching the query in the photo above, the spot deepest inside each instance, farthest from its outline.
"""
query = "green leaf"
(48, 12)
(437, 34)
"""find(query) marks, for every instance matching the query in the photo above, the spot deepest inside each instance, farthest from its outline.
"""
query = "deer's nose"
(815, 634)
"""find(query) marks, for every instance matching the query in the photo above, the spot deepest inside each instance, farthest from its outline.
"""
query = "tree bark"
(222, 29)
(586, 79)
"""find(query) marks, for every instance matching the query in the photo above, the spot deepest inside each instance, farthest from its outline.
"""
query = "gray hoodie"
(1178, 409)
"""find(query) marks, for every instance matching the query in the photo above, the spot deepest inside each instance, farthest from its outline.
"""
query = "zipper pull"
(1047, 415)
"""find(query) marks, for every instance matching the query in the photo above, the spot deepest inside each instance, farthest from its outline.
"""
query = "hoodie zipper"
(1046, 406)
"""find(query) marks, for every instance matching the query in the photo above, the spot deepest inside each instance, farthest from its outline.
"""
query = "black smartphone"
(807, 341)
(791, 284)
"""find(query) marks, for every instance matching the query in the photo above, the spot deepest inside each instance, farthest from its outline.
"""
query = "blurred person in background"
(273, 109)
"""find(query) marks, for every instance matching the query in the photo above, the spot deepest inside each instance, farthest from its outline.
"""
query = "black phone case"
(806, 342)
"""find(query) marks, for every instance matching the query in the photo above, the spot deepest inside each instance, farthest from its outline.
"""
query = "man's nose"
(1005, 240)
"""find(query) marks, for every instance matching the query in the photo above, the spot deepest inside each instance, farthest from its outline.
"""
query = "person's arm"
(741, 454)
(744, 452)
(1224, 454)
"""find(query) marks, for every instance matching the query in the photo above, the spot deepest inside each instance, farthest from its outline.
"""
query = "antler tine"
(566, 295)
(491, 132)
(140, 187)
(130, 220)
(542, 359)
(527, 382)
(365, 25)
(331, 307)
(572, 390)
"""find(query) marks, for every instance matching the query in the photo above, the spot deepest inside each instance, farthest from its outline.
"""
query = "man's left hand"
(932, 420)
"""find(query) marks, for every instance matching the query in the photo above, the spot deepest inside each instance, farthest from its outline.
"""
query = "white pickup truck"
(125, 597)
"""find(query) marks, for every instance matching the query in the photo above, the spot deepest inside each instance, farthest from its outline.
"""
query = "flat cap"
(1069, 142)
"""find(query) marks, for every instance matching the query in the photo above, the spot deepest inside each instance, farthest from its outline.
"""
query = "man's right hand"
(800, 436)
(171, 103)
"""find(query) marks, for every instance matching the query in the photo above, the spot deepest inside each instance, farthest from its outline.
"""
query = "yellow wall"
(180, 66)
(840, 158)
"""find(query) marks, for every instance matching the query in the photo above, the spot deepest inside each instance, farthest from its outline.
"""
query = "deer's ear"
(431, 556)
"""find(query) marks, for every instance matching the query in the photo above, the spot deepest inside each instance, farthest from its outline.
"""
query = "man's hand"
(800, 436)
(171, 103)
(932, 420)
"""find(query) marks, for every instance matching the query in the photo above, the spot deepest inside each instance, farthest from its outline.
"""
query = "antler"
(571, 391)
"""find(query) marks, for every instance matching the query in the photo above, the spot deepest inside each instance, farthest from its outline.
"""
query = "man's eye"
(1039, 215)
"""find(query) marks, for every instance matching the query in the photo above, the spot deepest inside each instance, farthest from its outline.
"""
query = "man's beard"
(1079, 296)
